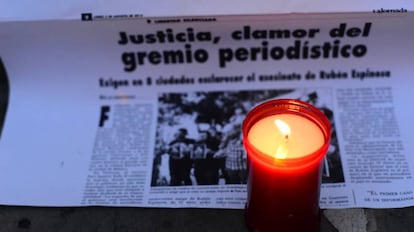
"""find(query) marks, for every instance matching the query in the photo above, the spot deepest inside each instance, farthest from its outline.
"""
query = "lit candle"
(286, 141)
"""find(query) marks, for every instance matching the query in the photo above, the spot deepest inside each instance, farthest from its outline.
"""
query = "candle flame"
(283, 127)
(282, 151)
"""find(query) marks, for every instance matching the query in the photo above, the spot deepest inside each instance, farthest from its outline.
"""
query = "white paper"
(53, 152)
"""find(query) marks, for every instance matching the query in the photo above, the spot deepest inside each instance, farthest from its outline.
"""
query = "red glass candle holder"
(283, 194)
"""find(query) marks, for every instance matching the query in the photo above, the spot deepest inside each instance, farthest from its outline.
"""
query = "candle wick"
(286, 136)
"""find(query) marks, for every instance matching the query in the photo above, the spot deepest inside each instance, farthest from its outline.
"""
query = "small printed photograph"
(199, 139)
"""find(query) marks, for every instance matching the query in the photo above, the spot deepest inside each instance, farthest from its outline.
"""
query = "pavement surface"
(119, 219)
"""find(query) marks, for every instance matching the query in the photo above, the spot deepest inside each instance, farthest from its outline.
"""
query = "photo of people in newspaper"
(199, 139)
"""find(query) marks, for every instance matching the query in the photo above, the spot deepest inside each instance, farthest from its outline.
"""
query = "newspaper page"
(147, 112)
(26, 10)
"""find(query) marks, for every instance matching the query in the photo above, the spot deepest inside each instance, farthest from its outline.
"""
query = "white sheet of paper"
(54, 69)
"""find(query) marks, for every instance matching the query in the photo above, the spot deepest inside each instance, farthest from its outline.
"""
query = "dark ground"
(117, 219)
